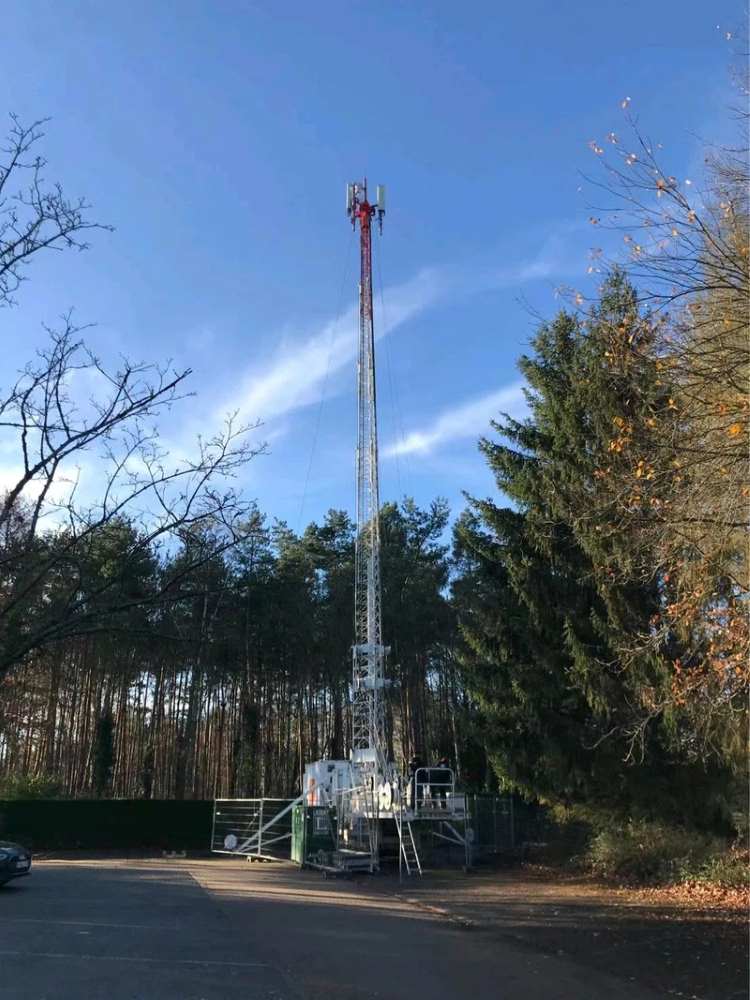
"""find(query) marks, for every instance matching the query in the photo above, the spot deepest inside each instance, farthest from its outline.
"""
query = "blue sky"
(217, 137)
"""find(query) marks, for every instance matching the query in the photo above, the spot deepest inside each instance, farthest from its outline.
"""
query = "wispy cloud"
(293, 378)
(553, 258)
(561, 254)
(470, 419)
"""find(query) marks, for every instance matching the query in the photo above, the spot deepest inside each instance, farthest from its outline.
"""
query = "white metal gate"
(259, 828)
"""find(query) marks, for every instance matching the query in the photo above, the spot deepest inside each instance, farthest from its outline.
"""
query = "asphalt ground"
(225, 929)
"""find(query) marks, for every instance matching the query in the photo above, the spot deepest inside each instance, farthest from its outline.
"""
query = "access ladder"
(408, 847)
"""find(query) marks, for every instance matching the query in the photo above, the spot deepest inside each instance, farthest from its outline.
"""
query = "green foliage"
(547, 591)
(22, 786)
(726, 868)
(109, 575)
(655, 852)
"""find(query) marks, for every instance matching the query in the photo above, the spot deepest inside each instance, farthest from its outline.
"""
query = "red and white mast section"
(368, 749)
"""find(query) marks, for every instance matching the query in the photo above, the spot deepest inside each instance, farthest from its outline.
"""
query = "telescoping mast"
(350, 812)
(371, 804)
(368, 748)
(358, 789)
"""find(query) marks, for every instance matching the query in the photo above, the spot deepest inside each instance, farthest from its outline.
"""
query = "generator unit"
(313, 834)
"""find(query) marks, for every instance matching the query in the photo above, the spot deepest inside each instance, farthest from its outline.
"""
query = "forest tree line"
(229, 691)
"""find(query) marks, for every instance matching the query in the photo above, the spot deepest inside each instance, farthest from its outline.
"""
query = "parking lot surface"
(224, 930)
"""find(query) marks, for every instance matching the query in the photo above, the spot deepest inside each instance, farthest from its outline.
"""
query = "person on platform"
(416, 780)
(440, 780)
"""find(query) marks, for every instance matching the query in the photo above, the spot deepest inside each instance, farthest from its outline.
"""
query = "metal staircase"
(408, 847)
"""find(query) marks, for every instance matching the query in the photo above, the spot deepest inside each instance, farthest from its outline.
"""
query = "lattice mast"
(368, 680)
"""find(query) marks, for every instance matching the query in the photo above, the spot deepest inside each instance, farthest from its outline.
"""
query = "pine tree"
(104, 753)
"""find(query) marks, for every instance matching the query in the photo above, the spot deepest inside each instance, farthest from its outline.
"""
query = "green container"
(313, 833)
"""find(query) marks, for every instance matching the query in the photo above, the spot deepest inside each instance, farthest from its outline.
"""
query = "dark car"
(14, 861)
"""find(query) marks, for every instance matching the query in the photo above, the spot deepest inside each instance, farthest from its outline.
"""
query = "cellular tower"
(351, 813)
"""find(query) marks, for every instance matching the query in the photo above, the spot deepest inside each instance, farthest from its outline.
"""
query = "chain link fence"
(504, 825)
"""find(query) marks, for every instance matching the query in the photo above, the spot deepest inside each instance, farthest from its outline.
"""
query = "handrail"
(432, 794)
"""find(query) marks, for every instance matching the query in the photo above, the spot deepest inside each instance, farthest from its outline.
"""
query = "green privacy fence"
(499, 824)
(104, 824)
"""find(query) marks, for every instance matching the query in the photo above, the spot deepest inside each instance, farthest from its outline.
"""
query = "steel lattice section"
(368, 680)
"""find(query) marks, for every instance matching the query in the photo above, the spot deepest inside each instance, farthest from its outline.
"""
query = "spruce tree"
(550, 587)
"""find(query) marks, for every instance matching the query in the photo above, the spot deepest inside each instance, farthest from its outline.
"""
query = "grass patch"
(729, 870)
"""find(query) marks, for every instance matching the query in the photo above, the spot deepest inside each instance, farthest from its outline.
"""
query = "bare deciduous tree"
(47, 527)
(34, 215)
(680, 481)
(69, 411)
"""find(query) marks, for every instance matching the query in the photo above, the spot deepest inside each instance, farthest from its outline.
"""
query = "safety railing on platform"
(432, 791)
